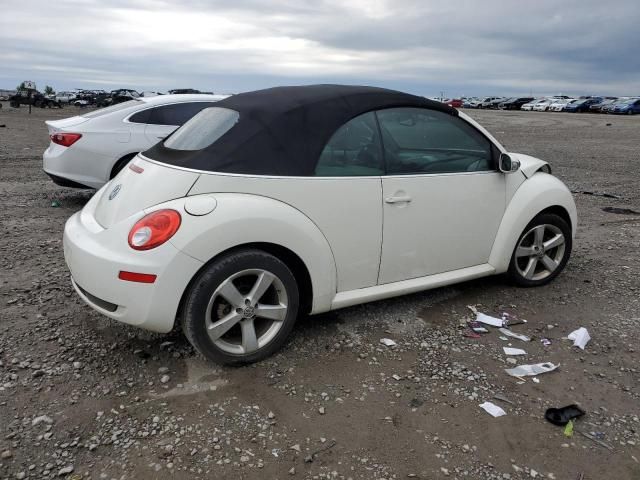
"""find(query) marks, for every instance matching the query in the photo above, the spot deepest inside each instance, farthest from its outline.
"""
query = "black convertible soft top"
(283, 130)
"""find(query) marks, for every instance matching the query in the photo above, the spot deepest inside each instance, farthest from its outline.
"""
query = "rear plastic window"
(203, 129)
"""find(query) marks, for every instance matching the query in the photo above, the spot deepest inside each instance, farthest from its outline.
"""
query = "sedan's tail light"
(154, 229)
(65, 139)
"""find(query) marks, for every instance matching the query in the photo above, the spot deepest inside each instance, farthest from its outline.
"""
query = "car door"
(443, 198)
(164, 119)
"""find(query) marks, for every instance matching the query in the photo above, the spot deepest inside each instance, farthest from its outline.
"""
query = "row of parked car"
(559, 103)
(102, 98)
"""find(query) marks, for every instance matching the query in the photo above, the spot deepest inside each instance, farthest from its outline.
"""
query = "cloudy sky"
(460, 47)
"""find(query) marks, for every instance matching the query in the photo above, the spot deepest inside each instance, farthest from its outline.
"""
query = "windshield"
(203, 129)
(112, 108)
(629, 101)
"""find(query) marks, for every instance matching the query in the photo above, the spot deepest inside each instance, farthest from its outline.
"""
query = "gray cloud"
(423, 46)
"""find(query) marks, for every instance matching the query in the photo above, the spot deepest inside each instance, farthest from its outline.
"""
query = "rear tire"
(241, 308)
(542, 251)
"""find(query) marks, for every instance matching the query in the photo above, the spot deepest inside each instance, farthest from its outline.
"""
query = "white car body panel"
(450, 228)
(348, 212)
(106, 139)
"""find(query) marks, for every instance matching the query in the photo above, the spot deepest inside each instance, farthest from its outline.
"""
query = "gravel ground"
(82, 396)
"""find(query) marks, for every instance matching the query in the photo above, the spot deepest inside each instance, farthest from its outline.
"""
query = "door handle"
(398, 199)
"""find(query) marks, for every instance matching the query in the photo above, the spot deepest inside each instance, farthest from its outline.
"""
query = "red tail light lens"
(154, 229)
(65, 139)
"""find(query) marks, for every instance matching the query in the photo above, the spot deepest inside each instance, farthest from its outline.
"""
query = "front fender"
(240, 219)
(537, 193)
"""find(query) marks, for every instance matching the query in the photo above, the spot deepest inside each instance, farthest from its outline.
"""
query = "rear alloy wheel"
(241, 308)
(541, 252)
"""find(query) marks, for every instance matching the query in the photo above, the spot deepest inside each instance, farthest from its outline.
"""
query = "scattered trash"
(502, 398)
(388, 342)
(568, 429)
(503, 338)
(620, 211)
(535, 380)
(509, 319)
(492, 409)
(55, 204)
(545, 342)
(487, 320)
(509, 333)
(275, 452)
(396, 377)
(513, 351)
(473, 309)
(562, 416)
(471, 334)
(477, 327)
(531, 370)
(580, 337)
(3, 125)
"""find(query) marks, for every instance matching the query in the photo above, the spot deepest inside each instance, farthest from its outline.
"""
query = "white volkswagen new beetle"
(296, 200)
(90, 149)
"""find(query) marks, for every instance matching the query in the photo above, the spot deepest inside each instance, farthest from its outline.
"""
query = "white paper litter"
(528, 370)
(580, 337)
(509, 333)
(388, 342)
(513, 351)
(487, 320)
(492, 409)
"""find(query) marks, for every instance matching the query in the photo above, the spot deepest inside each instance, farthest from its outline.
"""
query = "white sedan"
(90, 149)
(298, 200)
(542, 106)
(559, 104)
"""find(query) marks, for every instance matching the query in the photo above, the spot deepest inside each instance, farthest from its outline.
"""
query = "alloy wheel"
(246, 311)
(540, 252)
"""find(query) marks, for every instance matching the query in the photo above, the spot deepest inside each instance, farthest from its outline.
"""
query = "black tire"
(14, 104)
(515, 268)
(213, 276)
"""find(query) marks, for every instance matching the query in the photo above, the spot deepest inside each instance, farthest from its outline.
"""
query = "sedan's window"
(418, 140)
(203, 129)
(353, 150)
(176, 114)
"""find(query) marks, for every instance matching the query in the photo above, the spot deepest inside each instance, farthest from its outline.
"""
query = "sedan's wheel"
(241, 308)
(541, 252)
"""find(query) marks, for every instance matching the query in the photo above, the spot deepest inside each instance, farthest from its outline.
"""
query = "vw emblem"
(115, 191)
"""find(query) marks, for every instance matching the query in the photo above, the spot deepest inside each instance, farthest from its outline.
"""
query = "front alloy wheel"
(541, 252)
(241, 308)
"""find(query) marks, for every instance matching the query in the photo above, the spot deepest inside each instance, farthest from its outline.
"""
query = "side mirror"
(506, 164)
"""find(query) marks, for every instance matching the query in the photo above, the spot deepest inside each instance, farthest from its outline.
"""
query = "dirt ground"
(82, 396)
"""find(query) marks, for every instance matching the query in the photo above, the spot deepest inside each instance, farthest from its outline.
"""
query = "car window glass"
(141, 117)
(418, 140)
(203, 129)
(353, 150)
(176, 114)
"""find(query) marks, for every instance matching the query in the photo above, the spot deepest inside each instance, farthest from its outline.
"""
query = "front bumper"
(95, 256)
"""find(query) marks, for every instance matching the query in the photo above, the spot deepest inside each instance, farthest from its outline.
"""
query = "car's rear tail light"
(65, 139)
(154, 229)
(137, 277)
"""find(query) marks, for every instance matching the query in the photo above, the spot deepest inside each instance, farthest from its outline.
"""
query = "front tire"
(542, 251)
(241, 308)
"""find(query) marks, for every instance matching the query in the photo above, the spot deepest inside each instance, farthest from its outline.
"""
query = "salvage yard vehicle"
(299, 200)
(630, 106)
(33, 98)
(87, 150)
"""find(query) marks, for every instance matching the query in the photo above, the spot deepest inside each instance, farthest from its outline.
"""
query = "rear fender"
(536, 194)
(239, 219)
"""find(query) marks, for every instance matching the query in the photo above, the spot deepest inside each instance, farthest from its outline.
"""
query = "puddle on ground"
(201, 377)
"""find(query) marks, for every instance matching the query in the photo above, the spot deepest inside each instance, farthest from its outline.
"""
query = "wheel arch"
(120, 163)
(287, 256)
(243, 221)
(542, 193)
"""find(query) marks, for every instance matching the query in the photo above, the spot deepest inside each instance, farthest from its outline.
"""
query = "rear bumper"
(74, 165)
(64, 182)
(95, 257)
